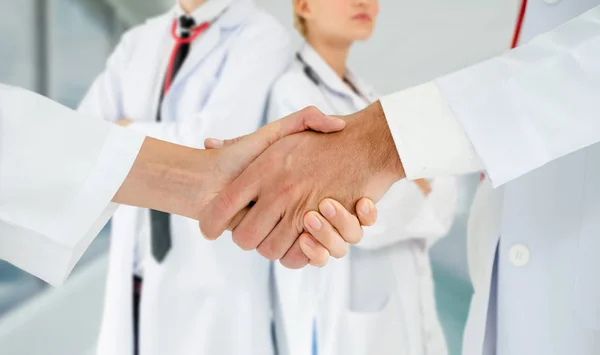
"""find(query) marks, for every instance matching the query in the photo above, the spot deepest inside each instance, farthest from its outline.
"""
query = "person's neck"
(188, 6)
(334, 54)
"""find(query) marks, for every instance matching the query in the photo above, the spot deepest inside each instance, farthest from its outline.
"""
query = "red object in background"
(178, 42)
(517, 34)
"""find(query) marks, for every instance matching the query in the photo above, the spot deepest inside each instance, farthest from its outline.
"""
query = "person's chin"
(362, 34)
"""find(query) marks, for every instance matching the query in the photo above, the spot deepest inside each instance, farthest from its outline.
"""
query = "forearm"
(167, 177)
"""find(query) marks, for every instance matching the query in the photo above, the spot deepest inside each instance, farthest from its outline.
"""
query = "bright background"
(57, 47)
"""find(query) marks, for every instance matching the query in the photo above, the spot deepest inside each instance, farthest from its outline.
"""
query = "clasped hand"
(291, 192)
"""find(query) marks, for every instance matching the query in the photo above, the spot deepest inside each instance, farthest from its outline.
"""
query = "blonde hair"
(299, 21)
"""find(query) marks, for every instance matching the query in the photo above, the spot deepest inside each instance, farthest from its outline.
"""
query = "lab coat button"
(551, 2)
(519, 255)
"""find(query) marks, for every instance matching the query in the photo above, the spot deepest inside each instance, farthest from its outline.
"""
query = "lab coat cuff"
(428, 137)
(89, 212)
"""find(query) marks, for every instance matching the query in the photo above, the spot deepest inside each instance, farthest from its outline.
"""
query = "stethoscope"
(312, 75)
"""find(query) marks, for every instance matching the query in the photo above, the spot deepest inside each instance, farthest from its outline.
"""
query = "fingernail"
(328, 210)
(365, 208)
(313, 222)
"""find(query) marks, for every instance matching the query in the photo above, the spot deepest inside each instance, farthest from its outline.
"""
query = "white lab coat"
(206, 297)
(380, 299)
(544, 296)
(59, 171)
(530, 118)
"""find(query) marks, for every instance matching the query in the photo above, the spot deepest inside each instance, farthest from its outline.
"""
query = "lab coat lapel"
(200, 49)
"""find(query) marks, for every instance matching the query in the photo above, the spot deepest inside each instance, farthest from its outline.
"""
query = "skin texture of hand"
(183, 181)
(335, 231)
(295, 174)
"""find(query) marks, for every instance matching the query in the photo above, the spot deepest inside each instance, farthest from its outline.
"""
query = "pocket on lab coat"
(587, 281)
(381, 332)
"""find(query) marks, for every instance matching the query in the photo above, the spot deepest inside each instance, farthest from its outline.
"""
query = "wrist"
(376, 138)
(167, 177)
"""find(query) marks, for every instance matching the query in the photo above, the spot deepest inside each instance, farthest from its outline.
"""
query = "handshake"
(267, 187)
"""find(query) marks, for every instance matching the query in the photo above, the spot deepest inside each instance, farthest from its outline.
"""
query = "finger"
(244, 189)
(295, 257)
(346, 224)
(234, 222)
(308, 118)
(256, 225)
(214, 143)
(280, 240)
(237, 219)
(317, 254)
(366, 211)
(222, 210)
(325, 234)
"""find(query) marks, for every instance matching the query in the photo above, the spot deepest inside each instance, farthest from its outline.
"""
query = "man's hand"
(335, 231)
(182, 180)
(294, 174)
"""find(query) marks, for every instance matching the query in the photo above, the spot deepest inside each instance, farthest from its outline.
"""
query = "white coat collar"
(331, 80)
(206, 12)
(225, 13)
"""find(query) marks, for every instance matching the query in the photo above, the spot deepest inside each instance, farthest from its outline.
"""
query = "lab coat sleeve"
(103, 98)
(236, 106)
(510, 114)
(58, 174)
(405, 213)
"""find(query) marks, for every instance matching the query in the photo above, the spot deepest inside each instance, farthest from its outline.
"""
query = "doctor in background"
(202, 69)
(380, 299)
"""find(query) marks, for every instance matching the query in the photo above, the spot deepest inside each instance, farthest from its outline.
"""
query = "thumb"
(214, 143)
(309, 118)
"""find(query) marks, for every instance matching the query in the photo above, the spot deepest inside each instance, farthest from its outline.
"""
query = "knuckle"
(224, 202)
(244, 239)
(294, 261)
(269, 251)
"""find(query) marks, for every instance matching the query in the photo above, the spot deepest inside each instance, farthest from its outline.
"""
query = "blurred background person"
(202, 69)
(380, 299)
